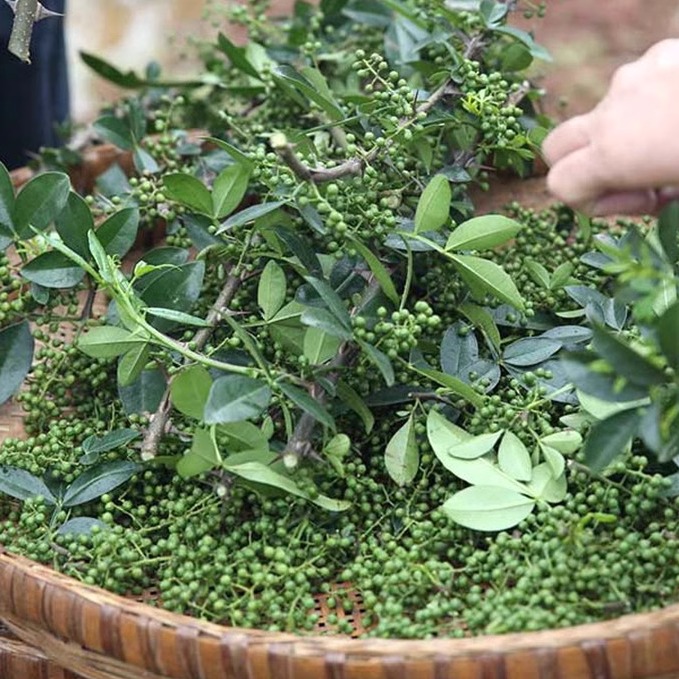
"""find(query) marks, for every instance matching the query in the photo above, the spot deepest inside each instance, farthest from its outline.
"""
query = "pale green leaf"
(488, 508)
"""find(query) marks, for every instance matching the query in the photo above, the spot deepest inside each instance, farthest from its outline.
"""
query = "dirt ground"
(589, 39)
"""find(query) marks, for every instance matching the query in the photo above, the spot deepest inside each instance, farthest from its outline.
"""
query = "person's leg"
(33, 97)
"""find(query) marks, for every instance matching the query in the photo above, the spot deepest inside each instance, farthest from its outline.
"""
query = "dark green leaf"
(324, 320)
(236, 397)
(144, 162)
(454, 384)
(300, 248)
(250, 214)
(73, 224)
(118, 233)
(288, 77)
(332, 300)
(18, 483)
(271, 290)
(668, 335)
(177, 317)
(353, 400)
(97, 481)
(109, 441)
(310, 405)
(381, 273)
(608, 438)
(115, 131)
(16, 357)
(625, 361)
(237, 56)
(40, 201)
(53, 270)
(261, 473)
(144, 394)
(6, 207)
(229, 189)
(189, 191)
(668, 224)
(433, 207)
(81, 525)
(189, 391)
(203, 456)
(132, 363)
(530, 351)
(108, 341)
(381, 360)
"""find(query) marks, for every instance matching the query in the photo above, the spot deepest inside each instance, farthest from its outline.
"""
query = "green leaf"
(18, 483)
(237, 56)
(325, 321)
(118, 233)
(319, 346)
(554, 459)
(97, 481)
(454, 384)
(109, 441)
(271, 290)
(202, 457)
(235, 154)
(73, 224)
(668, 223)
(543, 485)
(188, 191)
(433, 207)
(242, 436)
(625, 361)
(16, 357)
(177, 317)
(530, 351)
(132, 363)
(382, 275)
(40, 202)
(250, 214)
(471, 448)
(562, 275)
(537, 51)
(115, 131)
(480, 317)
(352, 400)
(482, 233)
(484, 276)
(566, 441)
(145, 394)
(6, 207)
(513, 457)
(53, 270)
(108, 341)
(302, 400)
(81, 525)
(261, 473)
(290, 79)
(189, 391)
(236, 397)
(488, 508)
(539, 273)
(402, 455)
(381, 360)
(607, 439)
(300, 248)
(668, 334)
(333, 302)
(481, 472)
(442, 432)
(229, 189)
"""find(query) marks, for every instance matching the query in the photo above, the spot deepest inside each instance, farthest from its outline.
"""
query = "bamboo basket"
(66, 630)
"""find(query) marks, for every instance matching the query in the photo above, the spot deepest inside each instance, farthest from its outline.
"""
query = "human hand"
(623, 156)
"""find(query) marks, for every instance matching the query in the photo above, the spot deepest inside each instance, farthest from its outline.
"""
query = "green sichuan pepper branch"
(26, 13)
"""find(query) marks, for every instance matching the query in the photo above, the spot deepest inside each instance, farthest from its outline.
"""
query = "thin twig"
(160, 420)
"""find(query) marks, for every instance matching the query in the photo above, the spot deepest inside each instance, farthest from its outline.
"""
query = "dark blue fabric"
(33, 97)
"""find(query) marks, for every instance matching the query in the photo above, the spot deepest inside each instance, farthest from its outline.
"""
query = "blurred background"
(587, 38)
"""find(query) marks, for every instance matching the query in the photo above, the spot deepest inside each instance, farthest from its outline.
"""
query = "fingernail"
(628, 203)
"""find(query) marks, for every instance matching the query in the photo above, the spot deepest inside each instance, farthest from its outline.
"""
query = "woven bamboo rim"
(104, 636)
